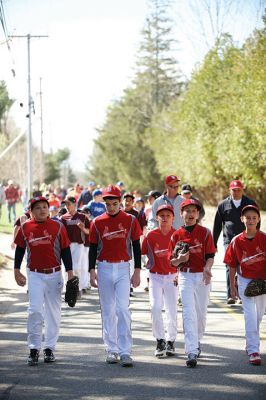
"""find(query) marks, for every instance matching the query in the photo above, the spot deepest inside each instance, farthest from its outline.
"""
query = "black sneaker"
(191, 360)
(33, 357)
(48, 356)
(161, 348)
(170, 350)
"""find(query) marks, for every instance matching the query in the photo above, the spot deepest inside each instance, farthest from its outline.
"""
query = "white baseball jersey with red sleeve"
(44, 241)
(200, 243)
(123, 228)
(248, 255)
(155, 246)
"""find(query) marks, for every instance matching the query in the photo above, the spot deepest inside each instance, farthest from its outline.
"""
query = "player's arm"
(67, 260)
(135, 280)
(207, 275)
(217, 226)
(19, 277)
(92, 264)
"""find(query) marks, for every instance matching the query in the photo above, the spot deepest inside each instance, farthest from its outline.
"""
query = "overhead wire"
(7, 39)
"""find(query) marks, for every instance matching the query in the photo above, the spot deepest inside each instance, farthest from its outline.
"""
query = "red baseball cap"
(190, 202)
(171, 179)
(35, 200)
(236, 184)
(111, 191)
(165, 207)
(250, 207)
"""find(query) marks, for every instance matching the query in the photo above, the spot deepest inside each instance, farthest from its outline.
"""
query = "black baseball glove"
(180, 248)
(256, 287)
(72, 291)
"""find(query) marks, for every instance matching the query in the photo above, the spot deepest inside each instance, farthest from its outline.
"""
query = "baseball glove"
(72, 291)
(256, 287)
(180, 248)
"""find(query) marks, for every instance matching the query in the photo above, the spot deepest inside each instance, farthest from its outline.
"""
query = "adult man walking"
(171, 197)
(12, 196)
(227, 219)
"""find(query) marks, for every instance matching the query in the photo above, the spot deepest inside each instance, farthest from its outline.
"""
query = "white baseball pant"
(44, 306)
(195, 299)
(163, 293)
(114, 288)
(84, 276)
(77, 259)
(254, 309)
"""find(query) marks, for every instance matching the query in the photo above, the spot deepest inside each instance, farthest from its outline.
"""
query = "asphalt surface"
(81, 373)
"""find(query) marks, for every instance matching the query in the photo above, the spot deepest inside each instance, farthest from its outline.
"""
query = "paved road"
(81, 373)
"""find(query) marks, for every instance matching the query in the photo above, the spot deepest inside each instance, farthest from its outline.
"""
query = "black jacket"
(227, 218)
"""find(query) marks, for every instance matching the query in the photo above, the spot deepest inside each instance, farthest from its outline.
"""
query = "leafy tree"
(5, 104)
(53, 162)
(122, 149)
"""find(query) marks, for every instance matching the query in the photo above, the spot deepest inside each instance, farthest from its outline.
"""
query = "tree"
(53, 164)
(122, 149)
(5, 104)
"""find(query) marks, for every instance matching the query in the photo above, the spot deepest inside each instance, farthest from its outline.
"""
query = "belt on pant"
(186, 269)
(45, 270)
(114, 261)
(163, 273)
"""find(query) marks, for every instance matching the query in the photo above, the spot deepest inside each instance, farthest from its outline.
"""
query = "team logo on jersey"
(196, 247)
(37, 241)
(160, 253)
(259, 256)
(120, 233)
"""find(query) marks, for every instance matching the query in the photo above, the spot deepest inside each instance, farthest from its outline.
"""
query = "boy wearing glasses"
(170, 197)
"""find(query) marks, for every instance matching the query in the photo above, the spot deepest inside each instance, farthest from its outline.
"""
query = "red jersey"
(200, 243)
(114, 234)
(44, 242)
(71, 223)
(155, 246)
(248, 255)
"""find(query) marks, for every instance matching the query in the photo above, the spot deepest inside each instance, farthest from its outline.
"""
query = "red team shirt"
(200, 243)
(248, 255)
(44, 242)
(74, 233)
(155, 246)
(123, 228)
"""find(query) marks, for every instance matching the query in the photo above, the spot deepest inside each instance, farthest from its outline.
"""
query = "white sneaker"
(126, 360)
(112, 358)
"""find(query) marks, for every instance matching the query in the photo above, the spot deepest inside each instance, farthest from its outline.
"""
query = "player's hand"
(233, 290)
(135, 280)
(20, 278)
(81, 226)
(207, 275)
(180, 259)
(93, 278)
(69, 274)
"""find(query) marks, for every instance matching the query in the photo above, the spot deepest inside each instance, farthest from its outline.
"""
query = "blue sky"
(89, 56)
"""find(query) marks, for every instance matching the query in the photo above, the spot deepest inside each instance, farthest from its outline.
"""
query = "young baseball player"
(163, 291)
(77, 226)
(194, 276)
(246, 255)
(111, 237)
(46, 242)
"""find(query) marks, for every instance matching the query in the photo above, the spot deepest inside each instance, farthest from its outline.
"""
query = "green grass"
(5, 226)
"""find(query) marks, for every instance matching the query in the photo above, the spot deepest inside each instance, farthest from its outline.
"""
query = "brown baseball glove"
(180, 248)
(256, 287)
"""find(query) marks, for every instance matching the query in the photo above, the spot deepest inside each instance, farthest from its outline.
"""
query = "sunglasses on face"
(173, 186)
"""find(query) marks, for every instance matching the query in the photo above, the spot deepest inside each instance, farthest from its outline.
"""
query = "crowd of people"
(113, 233)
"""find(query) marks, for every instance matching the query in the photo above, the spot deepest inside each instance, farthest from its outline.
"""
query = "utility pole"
(41, 118)
(30, 106)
